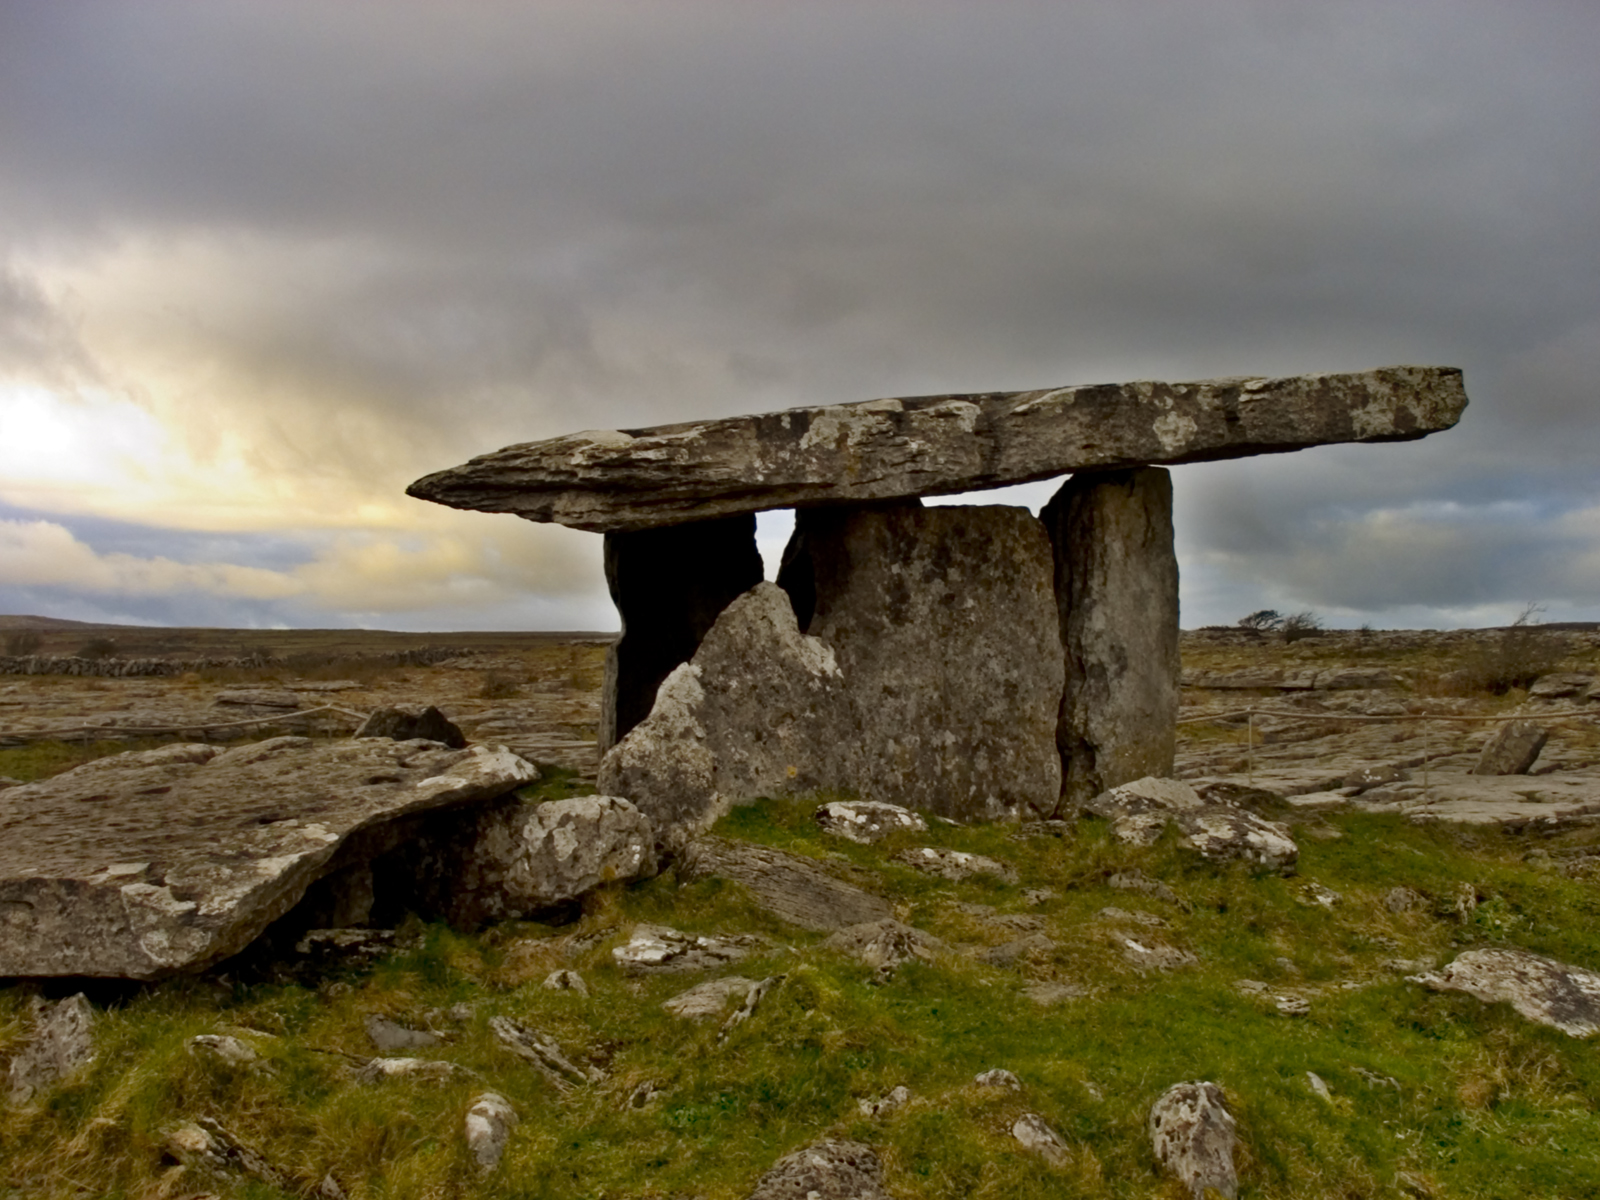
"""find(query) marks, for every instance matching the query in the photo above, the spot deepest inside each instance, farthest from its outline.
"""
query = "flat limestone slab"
(613, 480)
(152, 863)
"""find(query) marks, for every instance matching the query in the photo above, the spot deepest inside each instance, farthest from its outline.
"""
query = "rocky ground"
(1107, 1007)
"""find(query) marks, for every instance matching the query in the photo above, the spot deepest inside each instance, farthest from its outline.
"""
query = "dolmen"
(973, 661)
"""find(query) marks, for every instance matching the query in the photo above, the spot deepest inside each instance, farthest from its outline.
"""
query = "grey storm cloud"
(480, 223)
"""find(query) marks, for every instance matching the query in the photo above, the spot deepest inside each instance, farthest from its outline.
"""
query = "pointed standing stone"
(669, 585)
(1117, 594)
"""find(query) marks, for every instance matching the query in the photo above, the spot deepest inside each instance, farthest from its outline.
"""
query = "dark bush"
(100, 647)
(1301, 625)
(1522, 652)
(1262, 621)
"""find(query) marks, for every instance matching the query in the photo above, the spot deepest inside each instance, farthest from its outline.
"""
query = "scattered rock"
(828, 1170)
(401, 723)
(566, 981)
(1404, 899)
(1292, 1006)
(220, 1048)
(954, 865)
(1562, 685)
(1036, 1135)
(1541, 989)
(546, 1056)
(1039, 896)
(1152, 794)
(281, 699)
(708, 999)
(389, 1036)
(897, 1098)
(998, 1077)
(62, 1041)
(658, 950)
(867, 821)
(205, 1144)
(1035, 945)
(152, 863)
(792, 888)
(1314, 895)
(1368, 778)
(884, 945)
(1512, 750)
(747, 1008)
(489, 1123)
(1137, 881)
(1193, 1135)
(428, 1070)
(1112, 913)
(1319, 1086)
(511, 858)
(1225, 834)
(1157, 956)
(1055, 827)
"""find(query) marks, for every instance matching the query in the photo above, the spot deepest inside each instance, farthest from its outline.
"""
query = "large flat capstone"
(615, 480)
(157, 862)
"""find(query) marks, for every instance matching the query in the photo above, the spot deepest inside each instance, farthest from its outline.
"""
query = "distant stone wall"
(126, 668)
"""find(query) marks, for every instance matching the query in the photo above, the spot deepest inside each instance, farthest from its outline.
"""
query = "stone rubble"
(62, 1041)
(1551, 993)
(1193, 1135)
(954, 865)
(658, 950)
(867, 821)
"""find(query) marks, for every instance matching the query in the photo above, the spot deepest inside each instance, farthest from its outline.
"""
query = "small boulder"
(489, 1123)
(897, 1098)
(658, 950)
(62, 1041)
(791, 887)
(222, 1049)
(828, 1170)
(1193, 1135)
(566, 981)
(1403, 899)
(428, 1070)
(998, 1077)
(1036, 1135)
(1551, 993)
(403, 722)
(389, 1036)
(884, 945)
(1512, 750)
(867, 821)
(709, 999)
(1563, 685)
(954, 865)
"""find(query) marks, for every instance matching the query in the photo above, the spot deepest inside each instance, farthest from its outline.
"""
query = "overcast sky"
(263, 263)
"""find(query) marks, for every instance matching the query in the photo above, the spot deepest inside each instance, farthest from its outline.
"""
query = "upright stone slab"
(944, 624)
(669, 586)
(1116, 584)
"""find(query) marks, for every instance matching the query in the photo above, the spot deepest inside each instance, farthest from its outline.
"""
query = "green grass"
(1486, 1103)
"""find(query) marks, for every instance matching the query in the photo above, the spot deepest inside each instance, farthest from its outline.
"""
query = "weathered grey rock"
(1193, 1135)
(867, 821)
(669, 586)
(742, 719)
(943, 623)
(954, 865)
(206, 1144)
(657, 950)
(151, 863)
(543, 1052)
(828, 1170)
(509, 858)
(1116, 584)
(1403, 899)
(897, 1098)
(425, 1070)
(998, 1077)
(794, 889)
(1562, 685)
(1148, 920)
(388, 1036)
(489, 1123)
(1146, 954)
(934, 445)
(884, 945)
(403, 722)
(273, 698)
(1137, 881)
(709, 999)
(223, 1049)
(1008, 954)
(1541, 989)
(1223, 834)
(758, 992)
(62, 1041)
(1140, 810)
(1512, 750)
(1035, 1134)
(566, 981)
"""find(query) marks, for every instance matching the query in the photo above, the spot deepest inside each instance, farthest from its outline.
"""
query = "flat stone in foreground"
(935, 445)
(157, 862)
